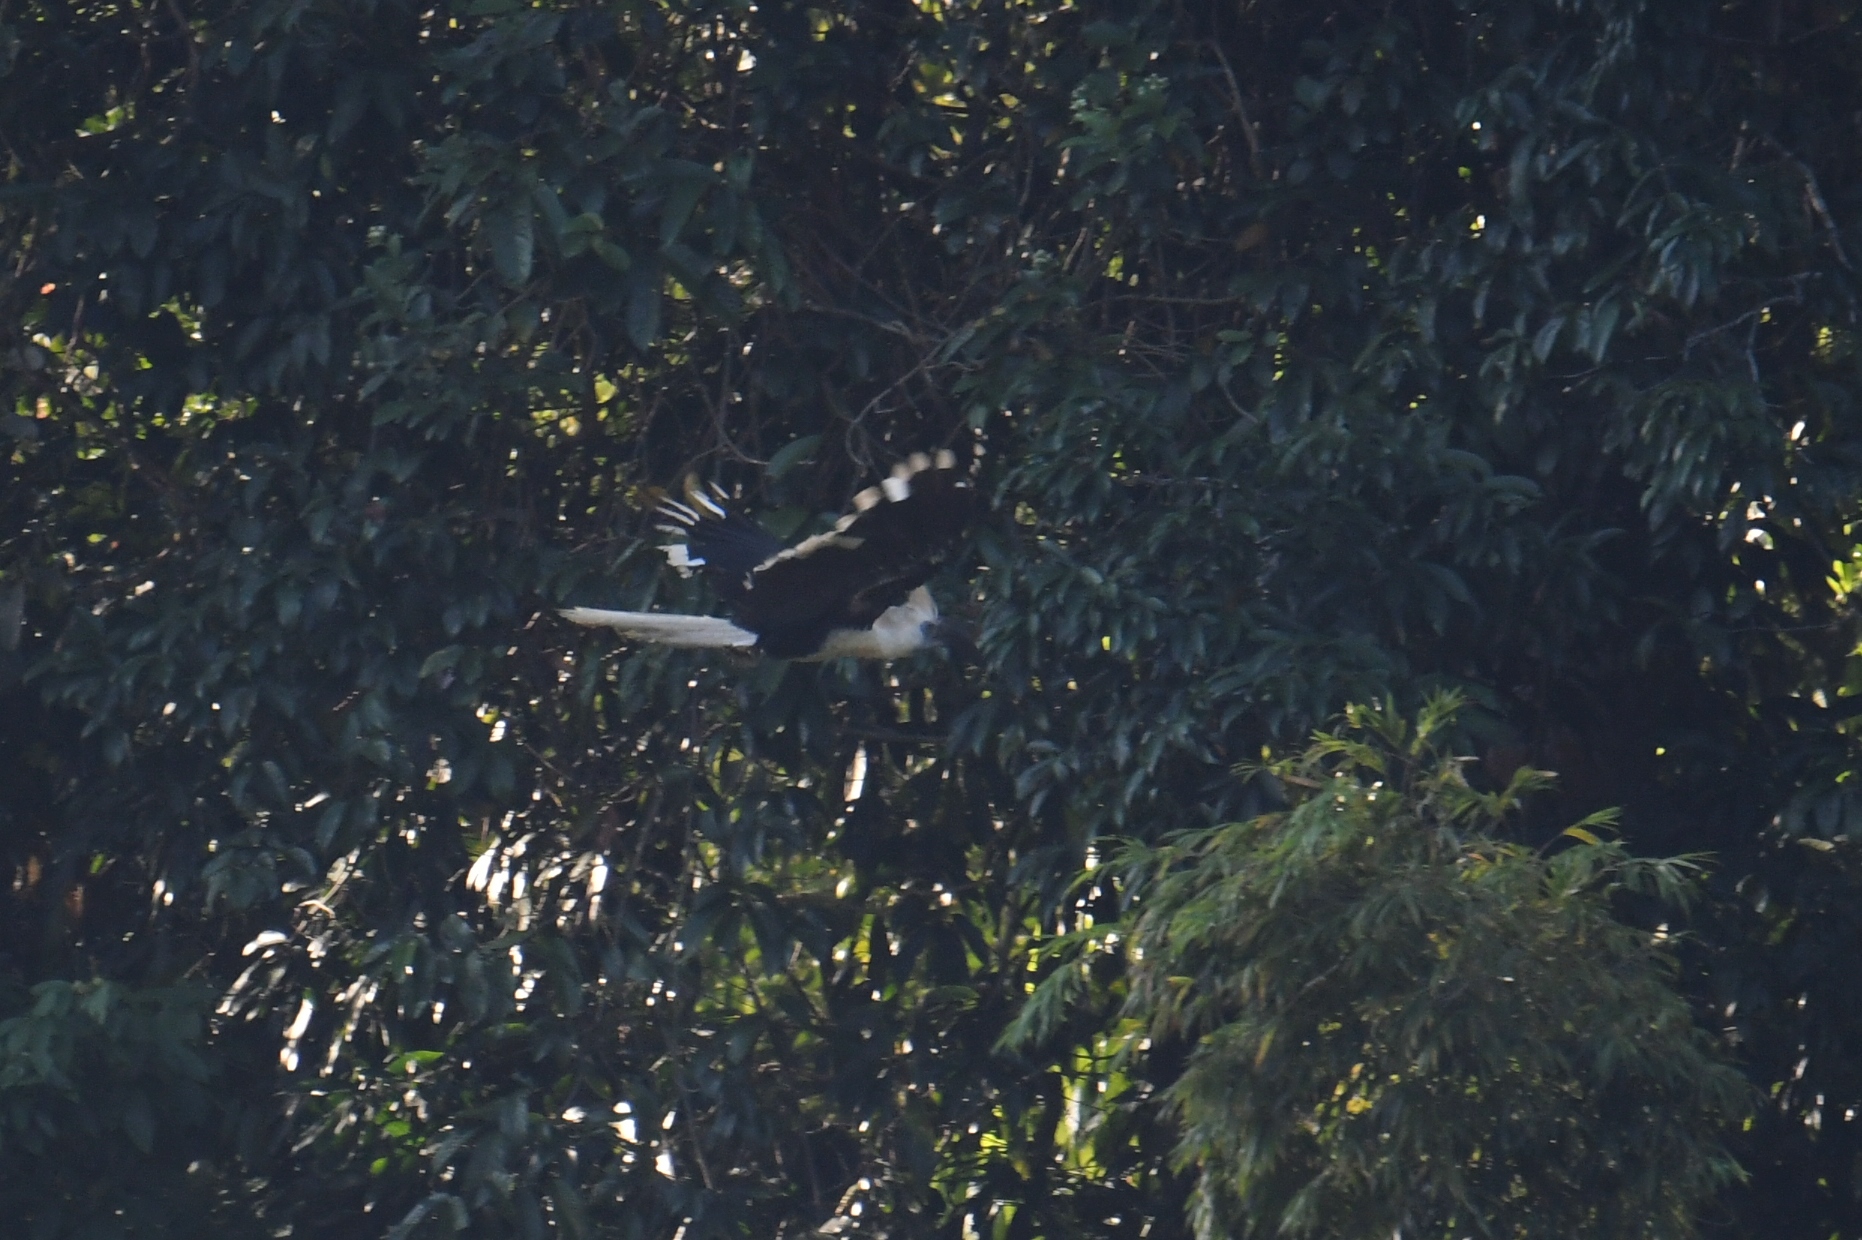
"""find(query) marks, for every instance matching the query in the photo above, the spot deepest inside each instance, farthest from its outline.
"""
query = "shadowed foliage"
(1315, 353)
(1393, 1021)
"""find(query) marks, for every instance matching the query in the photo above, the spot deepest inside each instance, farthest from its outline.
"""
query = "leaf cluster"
(1394, 1020)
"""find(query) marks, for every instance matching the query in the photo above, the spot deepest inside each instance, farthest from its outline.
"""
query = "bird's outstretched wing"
(726, 546)
(871, 560)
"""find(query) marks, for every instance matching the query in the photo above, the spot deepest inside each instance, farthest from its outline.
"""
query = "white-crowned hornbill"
(857, 591)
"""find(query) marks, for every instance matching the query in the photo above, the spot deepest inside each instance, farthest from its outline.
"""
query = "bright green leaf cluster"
(1395, 1020)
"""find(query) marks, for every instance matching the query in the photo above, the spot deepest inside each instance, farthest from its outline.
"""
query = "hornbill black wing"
(728, 547)
(870, 561)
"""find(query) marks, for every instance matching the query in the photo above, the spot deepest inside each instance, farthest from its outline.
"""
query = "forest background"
(1493, 367)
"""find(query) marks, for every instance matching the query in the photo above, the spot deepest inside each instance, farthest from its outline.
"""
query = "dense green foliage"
(1316, 353)
(1394, 1021)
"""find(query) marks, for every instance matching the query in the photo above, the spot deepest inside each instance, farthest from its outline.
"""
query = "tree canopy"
(1394, 1021)
(1309, 355)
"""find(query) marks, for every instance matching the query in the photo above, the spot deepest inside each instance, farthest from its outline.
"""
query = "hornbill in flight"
(857, 591)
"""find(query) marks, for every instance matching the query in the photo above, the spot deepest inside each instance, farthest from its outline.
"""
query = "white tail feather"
(664, 628)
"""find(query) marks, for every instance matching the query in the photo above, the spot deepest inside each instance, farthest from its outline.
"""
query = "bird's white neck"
(899, 631)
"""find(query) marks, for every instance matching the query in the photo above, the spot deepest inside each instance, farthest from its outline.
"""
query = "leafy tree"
(1394, 1021)
(1314, 353)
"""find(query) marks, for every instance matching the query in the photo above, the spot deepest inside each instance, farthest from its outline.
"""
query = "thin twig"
(896, 736)
(717, 412)
(893, 326)
(1813, 193)
(187, 37)
(1241, 110)
(1751, 317)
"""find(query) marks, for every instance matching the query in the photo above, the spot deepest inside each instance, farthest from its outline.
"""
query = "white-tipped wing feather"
(667, 630)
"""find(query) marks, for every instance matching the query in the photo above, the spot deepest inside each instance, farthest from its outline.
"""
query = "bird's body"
(856, 591)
